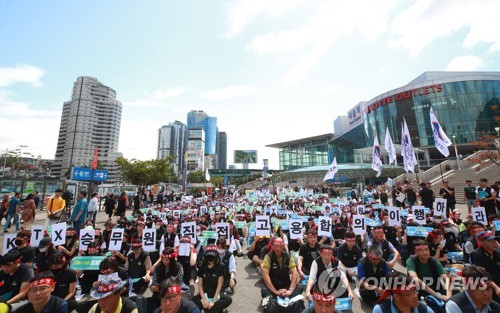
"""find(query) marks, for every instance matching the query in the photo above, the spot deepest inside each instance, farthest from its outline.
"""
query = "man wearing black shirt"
(349, 254)
(487, 256)
(426, 196)
(470, 195)
(27, 252)
(411, 195)
(448, 193)
(14, 277)
(308, 253)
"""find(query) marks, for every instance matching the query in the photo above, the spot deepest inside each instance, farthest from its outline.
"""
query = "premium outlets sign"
(404, 95)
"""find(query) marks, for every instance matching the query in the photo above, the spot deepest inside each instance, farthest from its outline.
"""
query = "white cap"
(410, 216)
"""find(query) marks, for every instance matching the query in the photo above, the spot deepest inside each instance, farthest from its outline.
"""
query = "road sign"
(83, 173)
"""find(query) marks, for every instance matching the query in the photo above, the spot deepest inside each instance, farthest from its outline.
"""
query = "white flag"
(207, 175)
(332, 170)
(389, 147)
(409, 158)
(376, 162)
(441, 141)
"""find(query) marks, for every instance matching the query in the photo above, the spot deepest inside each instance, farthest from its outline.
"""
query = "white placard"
(232, 246)
(440, 207)
(295, 227)
(360, 209)
(116, 240)
(479, 215)
(86, 238)
(419, 213)
(325, 227)
(401, 197)
(149, 239)
(394, 216)
(203, 209)
(184, 249)
(162, 215)
(176, 214)
(359, 224)
(36, 235)
(9, 242)
(59, 234)
(262, 225)
(189, 229)
(222, 230)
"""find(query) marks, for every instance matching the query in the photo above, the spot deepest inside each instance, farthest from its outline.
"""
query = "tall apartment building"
(171, 142)
(221, 150)
(200, 119)
(91, 118)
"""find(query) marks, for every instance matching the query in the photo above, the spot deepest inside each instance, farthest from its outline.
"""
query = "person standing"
(4, 208)
(13, 212)
(110, 205)
(55, 207)
(470, 195)
(36, 198)
(411, 195)
(92, 208)
(487, 197)
(29, 211)
(448, 193)
(79, 215)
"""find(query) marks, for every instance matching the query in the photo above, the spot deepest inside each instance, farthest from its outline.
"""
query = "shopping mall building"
(467, 104)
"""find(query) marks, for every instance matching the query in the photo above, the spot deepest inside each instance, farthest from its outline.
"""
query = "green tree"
(196, 177)
(145, 173)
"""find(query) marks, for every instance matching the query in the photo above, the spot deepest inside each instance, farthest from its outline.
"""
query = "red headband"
(322, 298)
(376, 257)
(399, 290)
(420, 247)
(174, 289)
(172, 255)
(325, 250)
(42, 281)
(433, 235)
(379, 230)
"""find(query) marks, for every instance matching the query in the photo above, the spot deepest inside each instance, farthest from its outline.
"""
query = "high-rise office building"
(91, 118)
(171, 142)
(195, 150)
(200, 119)
(221, 150)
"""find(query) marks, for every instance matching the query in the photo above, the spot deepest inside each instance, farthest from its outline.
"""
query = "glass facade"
(465, 108)
(199, 119)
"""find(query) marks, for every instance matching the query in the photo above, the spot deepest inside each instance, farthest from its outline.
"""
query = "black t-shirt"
(308, 254)
(13, 283)
(27, 254)
(349, 258)
(186, 306)
(451, 240)
(63, 278)
(210, 278)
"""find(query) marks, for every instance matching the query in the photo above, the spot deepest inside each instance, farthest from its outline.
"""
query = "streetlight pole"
(5, 161)
(456, 150)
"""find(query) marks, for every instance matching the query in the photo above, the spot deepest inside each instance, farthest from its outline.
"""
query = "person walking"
(13, 212)
(55, 207)
(29, 211)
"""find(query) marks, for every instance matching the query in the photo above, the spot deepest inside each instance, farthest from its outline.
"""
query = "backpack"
(272, 306)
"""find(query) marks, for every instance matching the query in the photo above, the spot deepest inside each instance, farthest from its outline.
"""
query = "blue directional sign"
(83, 173)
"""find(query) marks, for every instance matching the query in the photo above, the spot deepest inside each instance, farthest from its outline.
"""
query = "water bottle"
(78, 294)
(453, 261)
(287, 301)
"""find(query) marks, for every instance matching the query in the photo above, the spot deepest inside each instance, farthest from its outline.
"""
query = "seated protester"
(254, 251)
(109, 300)
(229, 263)
(407, 241)
(171, 239)
(349, 254)
(401, 295)
(436, 247)
(93, 249)
(70, 247)
(130, 229)
(65, 277)
(391, 232)
(325, 262)
(15, 277)
(308, 253)
(468, 238)
(436, 222)
(339, 232)
(322, 303)
(466, 223)
(456, 217)
(22, 245)
(168, 267)
(310, 225)
(477, 295)
(40, 297)
(138, 265)
(189, 265)
(451, 239)
(160, 231)
(236, 237)
(488, 257)
(45, 249)
(278, 266)
(171, 298)
(210, 279)
(432, 278)
(121, 256)
(388, 250)
(372, 268)
(106, 234)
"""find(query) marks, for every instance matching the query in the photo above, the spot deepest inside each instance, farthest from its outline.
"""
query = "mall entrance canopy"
(348, 172)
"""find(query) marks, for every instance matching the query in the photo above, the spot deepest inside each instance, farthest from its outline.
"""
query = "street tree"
(145, 173)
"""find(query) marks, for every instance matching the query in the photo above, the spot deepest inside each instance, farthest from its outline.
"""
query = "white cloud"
(26, 125)
(245, 12)
(157, 98)
(230, 92)
(330, 90)
(21, 74)
(464, 63)
(428, 20)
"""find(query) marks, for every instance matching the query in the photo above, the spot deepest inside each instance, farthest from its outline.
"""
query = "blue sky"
(269, 70)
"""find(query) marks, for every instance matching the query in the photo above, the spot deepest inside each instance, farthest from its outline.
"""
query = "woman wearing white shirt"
(92, 207)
